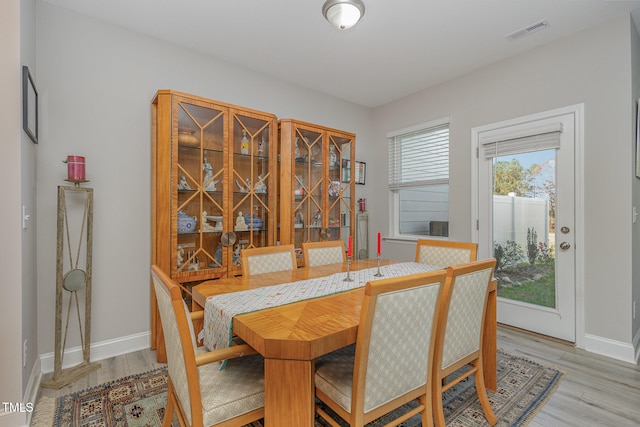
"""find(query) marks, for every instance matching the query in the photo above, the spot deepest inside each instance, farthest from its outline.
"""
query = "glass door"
(200, 195)
(526, 221)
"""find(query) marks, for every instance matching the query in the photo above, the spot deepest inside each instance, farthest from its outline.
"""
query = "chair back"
(463, 313)
(178, 336)
(395, 343)
(268, 259)
(445, 253)
(321, 253)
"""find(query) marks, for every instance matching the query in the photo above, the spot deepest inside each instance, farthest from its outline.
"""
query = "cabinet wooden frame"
(213, 157)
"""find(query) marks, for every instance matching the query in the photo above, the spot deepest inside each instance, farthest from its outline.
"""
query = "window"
(419, 180)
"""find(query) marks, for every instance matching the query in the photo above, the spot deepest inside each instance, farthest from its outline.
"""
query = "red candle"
(379, 239)
(350, 247)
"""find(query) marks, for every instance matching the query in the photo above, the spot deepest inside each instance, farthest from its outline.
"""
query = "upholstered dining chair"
(445, 253)
(391, 361)
(199, 392)
(459, 335)
(320, 253)
(268, 259)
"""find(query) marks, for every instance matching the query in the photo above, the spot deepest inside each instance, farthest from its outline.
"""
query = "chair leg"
(482, 394)
(170, 408)
(427, 412)
(436, 398)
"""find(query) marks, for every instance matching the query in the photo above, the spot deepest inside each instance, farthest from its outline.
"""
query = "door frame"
(578, 112)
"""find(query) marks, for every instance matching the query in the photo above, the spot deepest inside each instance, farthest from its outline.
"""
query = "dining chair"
(321, 253)
(198, 391)
(459, 334)
(268, 259)
(445, 253)
(391, 361)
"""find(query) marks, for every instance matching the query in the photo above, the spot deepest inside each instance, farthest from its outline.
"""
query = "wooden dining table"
(292, 336)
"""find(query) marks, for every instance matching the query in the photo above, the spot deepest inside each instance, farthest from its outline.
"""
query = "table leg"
(288, 393)
(489, 344)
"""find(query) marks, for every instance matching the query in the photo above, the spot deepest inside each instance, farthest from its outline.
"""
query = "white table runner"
(220, 309)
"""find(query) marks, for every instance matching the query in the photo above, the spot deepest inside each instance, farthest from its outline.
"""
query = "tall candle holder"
(378, 274)
(348, 278)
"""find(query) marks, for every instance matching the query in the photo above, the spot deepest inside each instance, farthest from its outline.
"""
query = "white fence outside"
(512, 216)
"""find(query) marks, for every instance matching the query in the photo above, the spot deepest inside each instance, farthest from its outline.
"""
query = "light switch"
(25, 217)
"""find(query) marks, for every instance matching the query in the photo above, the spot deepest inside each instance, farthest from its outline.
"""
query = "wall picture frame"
(29, 105)
(360, 172)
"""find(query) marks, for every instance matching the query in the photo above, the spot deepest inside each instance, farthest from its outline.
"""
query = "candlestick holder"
(348, 278)
(378, 274)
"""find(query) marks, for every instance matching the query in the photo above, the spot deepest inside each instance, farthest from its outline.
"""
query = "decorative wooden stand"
(72, 281)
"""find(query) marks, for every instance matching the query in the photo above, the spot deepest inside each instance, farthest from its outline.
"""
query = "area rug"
(524, 386)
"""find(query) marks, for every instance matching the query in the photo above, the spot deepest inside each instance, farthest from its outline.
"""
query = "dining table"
(291, 336)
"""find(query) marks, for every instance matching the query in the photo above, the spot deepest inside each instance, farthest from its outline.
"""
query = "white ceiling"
(398, 48)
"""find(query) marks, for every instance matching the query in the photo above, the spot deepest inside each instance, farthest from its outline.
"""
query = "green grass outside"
(540, 292)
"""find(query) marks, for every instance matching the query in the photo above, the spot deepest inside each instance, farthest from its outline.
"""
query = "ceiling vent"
(541, 25)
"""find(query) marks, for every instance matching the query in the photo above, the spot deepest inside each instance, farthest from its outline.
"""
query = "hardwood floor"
(597, 391)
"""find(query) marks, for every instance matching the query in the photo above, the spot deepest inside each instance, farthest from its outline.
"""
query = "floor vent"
(541, 25)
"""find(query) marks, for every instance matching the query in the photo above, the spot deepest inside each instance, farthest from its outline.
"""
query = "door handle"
(564, 246)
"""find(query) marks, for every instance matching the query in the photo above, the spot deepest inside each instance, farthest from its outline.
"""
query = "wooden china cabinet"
(317, 188)
(213, 189)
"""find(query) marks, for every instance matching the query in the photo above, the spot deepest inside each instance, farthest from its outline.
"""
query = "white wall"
(592, 67)
(96, 82)
(635, 185)
(11, 384)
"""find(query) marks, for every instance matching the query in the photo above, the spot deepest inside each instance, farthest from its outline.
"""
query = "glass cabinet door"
(340, 209)
(317, 184)
(198, 182)
(308, 183)
(252, 184)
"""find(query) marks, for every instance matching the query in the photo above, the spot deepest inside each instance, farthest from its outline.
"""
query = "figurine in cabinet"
(208, 181)
(180, 257)
(244, 144)
(299, 220)
(297, 152)
(241, 187)
(241, 225)
(333, 158)
(206, 227)
(183, 184)
(261, 187)
(236, 254)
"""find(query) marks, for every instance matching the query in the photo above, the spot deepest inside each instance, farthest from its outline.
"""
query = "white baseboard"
(99, 351)
(31, 391)
(611, 348)
(636, 346)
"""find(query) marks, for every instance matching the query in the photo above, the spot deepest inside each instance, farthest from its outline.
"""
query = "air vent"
(541, 25)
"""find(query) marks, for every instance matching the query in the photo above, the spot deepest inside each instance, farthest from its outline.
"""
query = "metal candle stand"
(378, 274)
(348, 278)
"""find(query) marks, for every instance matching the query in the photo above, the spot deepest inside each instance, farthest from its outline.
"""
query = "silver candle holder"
(378, 274)
(348, 278)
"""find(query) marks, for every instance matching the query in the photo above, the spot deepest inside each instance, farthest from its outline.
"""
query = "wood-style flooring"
(596, 391)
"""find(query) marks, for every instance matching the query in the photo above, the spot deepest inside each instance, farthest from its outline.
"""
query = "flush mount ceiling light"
(343, 14)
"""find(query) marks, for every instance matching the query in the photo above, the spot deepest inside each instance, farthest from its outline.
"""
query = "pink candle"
(350, 247)
(379, 239)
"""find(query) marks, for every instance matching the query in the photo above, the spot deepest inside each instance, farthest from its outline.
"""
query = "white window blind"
(505, 145)
(419, 157)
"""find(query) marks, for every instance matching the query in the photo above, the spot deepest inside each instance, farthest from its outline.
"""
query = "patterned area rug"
(139, 400)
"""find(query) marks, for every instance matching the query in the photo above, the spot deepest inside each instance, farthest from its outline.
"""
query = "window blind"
(503, 145)
(419, 158)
